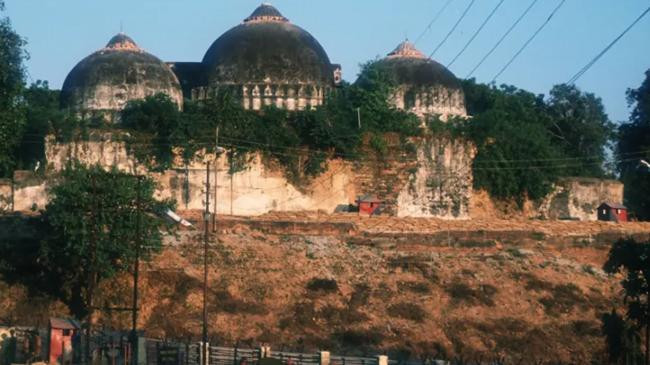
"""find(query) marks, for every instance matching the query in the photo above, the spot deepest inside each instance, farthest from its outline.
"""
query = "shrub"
(409, 311)
(227, 303)
(360, 296)
(323, 285)
(415, 264)
(533, 283)
(417, 287)
(584, 328)
(463, 293)
(476, 244)
(563, 299)
(302, 315)
(340, 316)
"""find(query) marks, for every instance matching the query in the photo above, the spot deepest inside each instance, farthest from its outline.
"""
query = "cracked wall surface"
(441, 186)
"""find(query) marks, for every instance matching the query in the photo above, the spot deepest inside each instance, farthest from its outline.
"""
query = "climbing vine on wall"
(300, 141)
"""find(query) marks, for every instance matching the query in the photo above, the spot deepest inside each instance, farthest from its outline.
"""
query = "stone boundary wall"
(578, 198)
(434, 181)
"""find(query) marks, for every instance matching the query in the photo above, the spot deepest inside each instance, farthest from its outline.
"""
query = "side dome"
(267, 55)
(104, 82)
(424, 86)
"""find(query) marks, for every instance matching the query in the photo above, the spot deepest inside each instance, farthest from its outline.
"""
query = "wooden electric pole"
(216, 179)
(359, 117)
(206, 219)
(136, 273)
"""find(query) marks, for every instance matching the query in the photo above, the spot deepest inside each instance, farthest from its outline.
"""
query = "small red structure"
(612, 212)
(368, 204)
(61, 333)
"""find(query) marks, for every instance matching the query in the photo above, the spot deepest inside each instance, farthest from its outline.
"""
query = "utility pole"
(232, 177)
(359, 117)
(205, 265)
(136, 273)
(216, 176)
(91, 275)
(647, 331)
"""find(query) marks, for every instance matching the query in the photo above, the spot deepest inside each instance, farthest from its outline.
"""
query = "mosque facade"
(268, 61)
(264, 61)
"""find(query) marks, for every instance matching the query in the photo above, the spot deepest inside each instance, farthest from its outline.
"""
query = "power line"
(541, 27)
(602, 53)
(453, 28)
(476, 33)
(248, 144)
(502, 38)
(435, 18)
(548, 163)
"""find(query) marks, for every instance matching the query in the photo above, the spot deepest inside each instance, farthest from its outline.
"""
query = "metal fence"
(190, 354)
(232, 355)
(350, 360)
(296, 358)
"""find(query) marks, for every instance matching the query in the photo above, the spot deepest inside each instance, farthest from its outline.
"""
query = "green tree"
(12, 79)
(87, 233)
(632, 259)
(622, 340)
(300, 141)
(633, 146)
(515, 151)
(371, 94)
(581, 130)
(43, 116)
(156, 125)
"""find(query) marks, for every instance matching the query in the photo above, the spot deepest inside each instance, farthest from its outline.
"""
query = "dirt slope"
(409, 287)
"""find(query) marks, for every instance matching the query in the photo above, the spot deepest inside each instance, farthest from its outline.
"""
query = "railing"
(190, 354)
(232, 355)
(351, 360)
(297, 358)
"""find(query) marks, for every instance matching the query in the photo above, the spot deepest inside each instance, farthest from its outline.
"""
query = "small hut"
(62, 332)
(368, 204)
(612, 212)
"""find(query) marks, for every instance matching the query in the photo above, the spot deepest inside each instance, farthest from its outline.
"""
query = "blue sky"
(62, 32)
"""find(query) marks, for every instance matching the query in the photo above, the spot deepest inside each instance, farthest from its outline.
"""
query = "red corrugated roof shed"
(613, 205)
(66, 324)
(368, 199)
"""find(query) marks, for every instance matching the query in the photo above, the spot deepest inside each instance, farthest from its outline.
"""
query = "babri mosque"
(268, 61)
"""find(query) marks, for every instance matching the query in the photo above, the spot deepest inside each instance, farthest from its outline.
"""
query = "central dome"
(267, 49)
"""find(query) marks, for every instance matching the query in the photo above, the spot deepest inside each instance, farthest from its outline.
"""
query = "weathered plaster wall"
(6, 195)
(255, 190)
(282, 96)
(572, 198)
(578, 198)
(423, 101)
(29, 191)
(101, 149)
(435, 182)
(110, 97)
(442, 184)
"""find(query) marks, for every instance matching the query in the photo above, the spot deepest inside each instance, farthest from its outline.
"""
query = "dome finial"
(122, 42)
(266, 13)
(406, 49)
